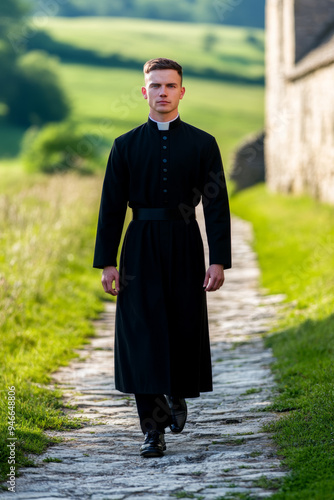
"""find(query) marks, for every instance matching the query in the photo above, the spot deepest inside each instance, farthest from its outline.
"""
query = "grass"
(294, 240)
(232, 442)
(49, 293)
(254, 390)
(236, 495)
(254, 454)
(52, 459)
(186, 494)
(268, 484)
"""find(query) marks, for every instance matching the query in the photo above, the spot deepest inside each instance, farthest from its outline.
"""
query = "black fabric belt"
(160, 214)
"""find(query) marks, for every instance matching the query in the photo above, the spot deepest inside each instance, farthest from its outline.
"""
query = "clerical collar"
(165, 125)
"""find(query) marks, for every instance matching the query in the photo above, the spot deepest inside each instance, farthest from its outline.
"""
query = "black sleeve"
(112, 210)
(216, 209)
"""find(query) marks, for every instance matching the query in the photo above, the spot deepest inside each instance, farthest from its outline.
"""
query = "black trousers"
(153, 411)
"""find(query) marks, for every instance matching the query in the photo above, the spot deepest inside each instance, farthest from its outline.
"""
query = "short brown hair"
(162, 63)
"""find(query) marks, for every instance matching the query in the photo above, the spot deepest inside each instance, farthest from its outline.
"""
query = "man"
(162, 169)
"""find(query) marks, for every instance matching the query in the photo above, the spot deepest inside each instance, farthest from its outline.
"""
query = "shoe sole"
(151, 453)
(174, 428)
(177, 430)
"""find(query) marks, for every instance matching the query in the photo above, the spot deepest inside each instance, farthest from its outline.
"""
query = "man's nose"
(163, 91)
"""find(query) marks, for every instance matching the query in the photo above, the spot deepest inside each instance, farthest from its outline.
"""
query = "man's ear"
(183, 90)
(143, 91)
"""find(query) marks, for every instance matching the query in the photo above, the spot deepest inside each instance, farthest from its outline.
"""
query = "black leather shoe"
(178, 411)
(154, 444)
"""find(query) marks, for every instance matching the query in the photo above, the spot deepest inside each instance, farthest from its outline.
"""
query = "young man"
(162, 169)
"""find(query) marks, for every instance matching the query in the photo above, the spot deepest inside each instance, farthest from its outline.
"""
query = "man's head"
(163, 88)
(162, 63)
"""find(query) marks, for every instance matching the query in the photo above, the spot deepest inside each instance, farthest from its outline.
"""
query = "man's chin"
(164, 109)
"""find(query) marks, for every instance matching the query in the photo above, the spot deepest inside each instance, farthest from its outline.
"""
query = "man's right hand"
(109, 275)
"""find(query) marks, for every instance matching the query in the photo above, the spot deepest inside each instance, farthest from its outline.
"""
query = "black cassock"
(161, 332)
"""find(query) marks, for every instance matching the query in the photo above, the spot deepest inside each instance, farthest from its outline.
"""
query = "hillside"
(224, 53)
(107, 90)
(227, 12)
(100, 67)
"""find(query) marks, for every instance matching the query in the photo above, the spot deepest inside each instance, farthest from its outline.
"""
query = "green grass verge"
(49, 294)
(294, 240)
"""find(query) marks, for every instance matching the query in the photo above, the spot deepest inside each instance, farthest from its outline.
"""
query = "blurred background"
(61, 62)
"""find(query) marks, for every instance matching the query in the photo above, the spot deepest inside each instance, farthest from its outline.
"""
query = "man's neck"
(163, 117)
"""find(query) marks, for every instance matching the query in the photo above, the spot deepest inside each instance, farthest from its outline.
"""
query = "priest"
(162, 170)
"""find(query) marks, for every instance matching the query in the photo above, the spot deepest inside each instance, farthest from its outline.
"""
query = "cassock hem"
(183, 394)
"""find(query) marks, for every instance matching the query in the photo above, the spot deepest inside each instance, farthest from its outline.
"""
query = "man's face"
(163, 92)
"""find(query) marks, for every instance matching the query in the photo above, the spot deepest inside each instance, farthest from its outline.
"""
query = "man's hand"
(215, 274)
(109, 275)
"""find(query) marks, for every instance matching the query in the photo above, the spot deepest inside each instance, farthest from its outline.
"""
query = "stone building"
(299, 142)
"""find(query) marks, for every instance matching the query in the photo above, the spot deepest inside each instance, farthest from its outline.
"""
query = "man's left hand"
(214, 278)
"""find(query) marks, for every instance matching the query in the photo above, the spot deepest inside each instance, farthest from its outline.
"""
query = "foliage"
(36, 96)
(294, 239)
(29, 86)
(63, 147)
(11, 13)
(7, 73)
(48, 295)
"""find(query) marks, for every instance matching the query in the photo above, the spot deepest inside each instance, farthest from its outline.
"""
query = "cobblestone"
(222, 451)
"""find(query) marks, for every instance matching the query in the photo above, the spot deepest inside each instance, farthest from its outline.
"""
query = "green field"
(108, 101)
(231, 49)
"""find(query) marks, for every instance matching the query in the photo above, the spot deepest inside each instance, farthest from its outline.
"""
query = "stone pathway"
(221, 454)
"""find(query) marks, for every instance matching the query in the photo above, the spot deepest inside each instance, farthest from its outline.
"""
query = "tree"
(11, 12)
(63, 147)
(37, 96)
(29, 85)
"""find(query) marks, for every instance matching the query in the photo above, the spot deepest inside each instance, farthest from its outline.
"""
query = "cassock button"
(164, 147)
(164, 160)
(165, 178)
(165, 137)
(165, 190)
(164, 169)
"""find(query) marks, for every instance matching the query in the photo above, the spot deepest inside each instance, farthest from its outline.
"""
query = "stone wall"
(248, 162)
(299, 144)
